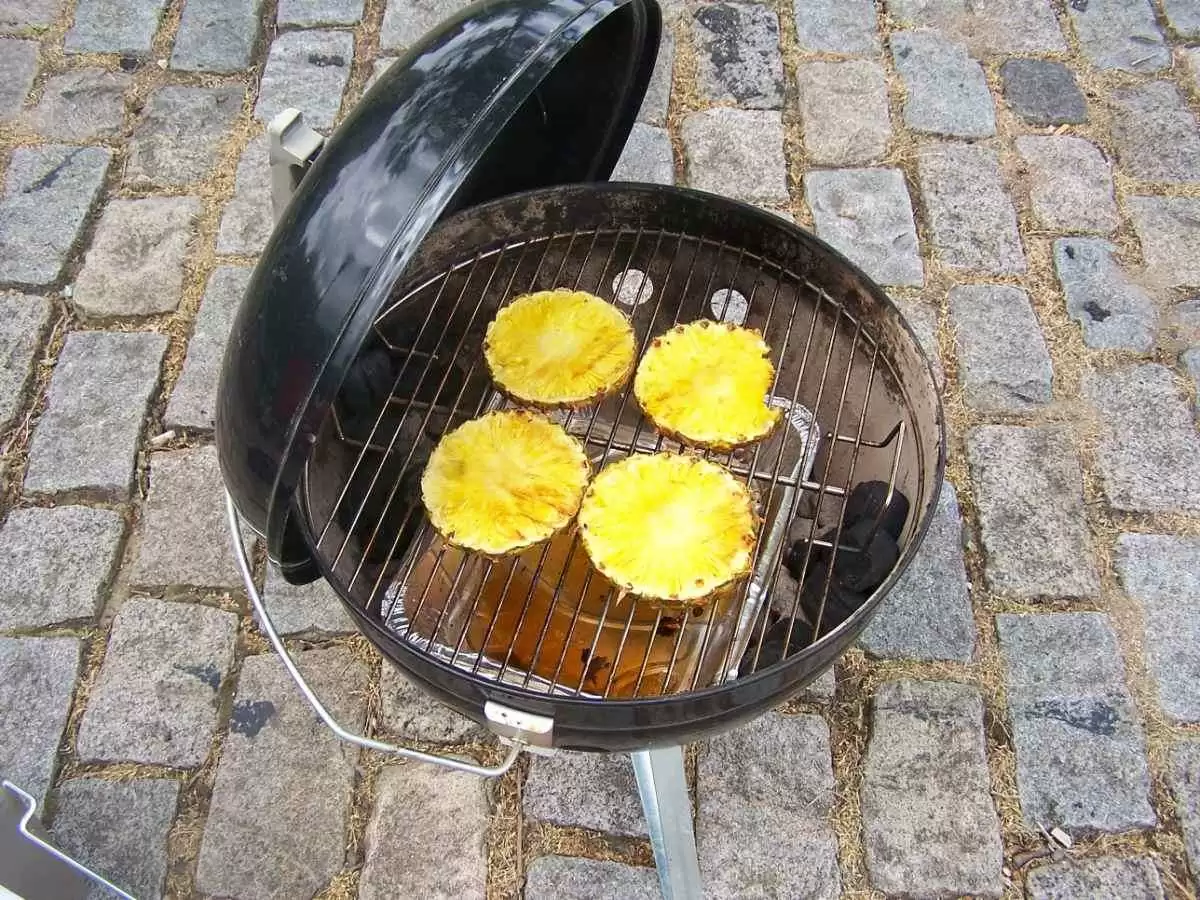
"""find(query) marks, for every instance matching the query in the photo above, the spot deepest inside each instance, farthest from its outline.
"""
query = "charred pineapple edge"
(719, 446)
(608, 390)
(685, 601)
(448, 537)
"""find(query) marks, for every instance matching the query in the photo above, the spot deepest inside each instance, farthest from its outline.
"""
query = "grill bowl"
(842, 353)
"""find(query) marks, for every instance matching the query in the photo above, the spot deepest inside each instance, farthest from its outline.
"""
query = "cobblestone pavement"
(1024, 177)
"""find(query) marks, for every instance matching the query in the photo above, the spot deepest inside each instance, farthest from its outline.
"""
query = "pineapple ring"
(668, 527)
(706, 384)
(559, 348)
(503, 482)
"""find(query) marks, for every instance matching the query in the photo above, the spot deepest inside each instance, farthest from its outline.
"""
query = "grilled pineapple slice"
(504, 481)
(559, 348)
(668, 527)
(706, 384)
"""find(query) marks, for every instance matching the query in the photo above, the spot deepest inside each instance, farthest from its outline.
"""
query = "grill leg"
(662, 785)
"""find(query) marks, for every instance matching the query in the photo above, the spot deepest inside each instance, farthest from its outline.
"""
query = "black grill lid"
(509, 95)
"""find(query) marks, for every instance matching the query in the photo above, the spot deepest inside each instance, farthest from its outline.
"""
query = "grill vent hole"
(632, 287)
(730, 306)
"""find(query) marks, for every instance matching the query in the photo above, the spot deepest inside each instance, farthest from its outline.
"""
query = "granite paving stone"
(81, 105)
(1004, 365)
(923, 319)
(738, 153)
(929, 824)
(738, 56)
(380, 66)
(1184, 779)
(658, 92)
(429, 827)
(1114, 311)
(1120, 34)
(1029, 489)
(867, 214)
(18, 65)
(412, 714)
(585, 790)
(1149, 453)
(567, 878)
(277, 820)
(86, 440)
(48, 193)
(307, 13)
(837, 26)
(194, 400)
(216, 35)
(750, 794)
(1182, 320)
(182, 538)
(406, 23)
(248, 217)
(1018, 26)
(927, 614)
(1191, 63)
(1183, 16)
(1099, 878)
(307, 70)
(304, 609)
(56, 564)
(135, 265)
(1191, 362)
(946, 90)
(1162, 573)
(972, 222)
(843, 111)
(16, 15)
(114, 26)
(24, 319)
(155, 700)
(647, 157)
(118, 829)
(1155, 133)
(180, 133)
(1043, 92)
(37, 679)
(821, 689)
(1081, 753)
(1071, 184)
(1169, 231)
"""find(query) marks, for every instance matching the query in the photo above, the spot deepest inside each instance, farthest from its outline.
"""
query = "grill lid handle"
(517, 739)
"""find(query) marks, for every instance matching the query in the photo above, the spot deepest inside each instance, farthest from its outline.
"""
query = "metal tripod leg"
(662, 785)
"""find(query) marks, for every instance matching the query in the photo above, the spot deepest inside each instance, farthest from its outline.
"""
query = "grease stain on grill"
(250, 716)
(1094, 716)
(207, 673)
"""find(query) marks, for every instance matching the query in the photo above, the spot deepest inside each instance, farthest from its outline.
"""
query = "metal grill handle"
(516, 738)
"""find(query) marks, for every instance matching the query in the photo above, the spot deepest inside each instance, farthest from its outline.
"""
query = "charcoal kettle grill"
(471, 172)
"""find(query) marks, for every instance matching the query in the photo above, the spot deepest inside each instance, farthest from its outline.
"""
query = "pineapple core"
(706, 383)
(559, 348)
(504, 481)
(668, 527)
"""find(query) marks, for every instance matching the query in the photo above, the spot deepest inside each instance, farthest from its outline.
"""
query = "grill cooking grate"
(540, 621)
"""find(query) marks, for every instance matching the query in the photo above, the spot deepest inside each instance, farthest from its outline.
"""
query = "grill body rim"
(638, 724)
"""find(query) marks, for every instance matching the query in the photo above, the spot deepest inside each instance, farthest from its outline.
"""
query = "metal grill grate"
(541, 621)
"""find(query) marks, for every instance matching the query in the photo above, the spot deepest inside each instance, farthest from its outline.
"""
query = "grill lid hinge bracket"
(535, 732)
(292, 146)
